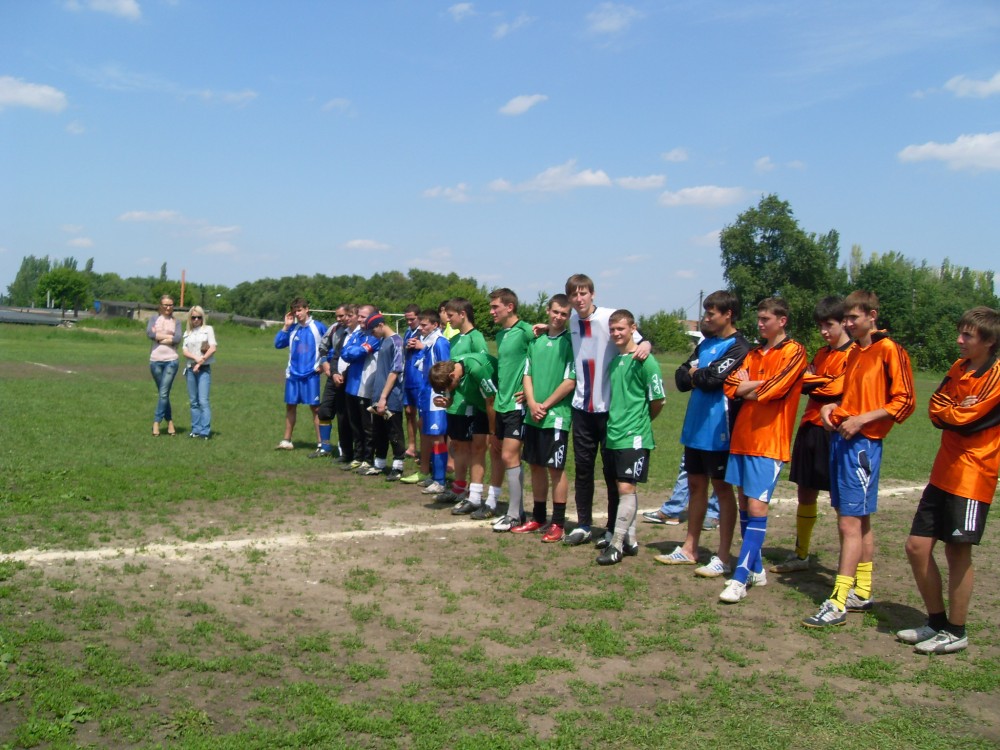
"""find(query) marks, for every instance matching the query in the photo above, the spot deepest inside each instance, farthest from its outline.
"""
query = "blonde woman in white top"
(199, 351)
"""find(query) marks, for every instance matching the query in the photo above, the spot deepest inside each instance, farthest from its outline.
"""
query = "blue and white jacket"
(302, 342)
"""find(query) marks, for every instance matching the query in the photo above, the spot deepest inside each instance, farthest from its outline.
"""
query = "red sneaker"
(554, 534)
(527, 527)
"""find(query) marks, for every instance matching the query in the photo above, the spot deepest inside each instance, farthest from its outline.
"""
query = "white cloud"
(974, 152)
(208, 231)
(505, 28)
(81, 242)
(218, 248)
(340, 106)
(675, 155)
(115, 78)
(764, 164)
(17, 93)
(461, 11)
(703, 195)
(122, 8)
(457, 194)
(684, 273)
(964, 87)
(650, 182)
(436, 258)
(365, 245)
(238, 98)
(610, 273)
(172, 217)
(75, 128)
(635, 258)
(521, 104)
(710, 239)
(556, 179)
(72, 228)
(611, 18)
(796, 164)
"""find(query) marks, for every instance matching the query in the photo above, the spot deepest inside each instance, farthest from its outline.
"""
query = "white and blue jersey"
(357, 349)
(436, 349)
(389, 359)
(302, 342)
(709, 417)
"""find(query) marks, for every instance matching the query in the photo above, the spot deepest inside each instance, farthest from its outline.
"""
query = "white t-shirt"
(194, 338)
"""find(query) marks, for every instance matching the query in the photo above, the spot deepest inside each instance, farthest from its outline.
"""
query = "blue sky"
(515, 142)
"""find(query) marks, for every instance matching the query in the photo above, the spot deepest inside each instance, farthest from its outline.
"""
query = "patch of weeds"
(62, 585)
(732, 656)
(352, 643)
(490, 559)
(318, 643)
(598, 636)
(134, 570)
(365, 672)
(255, 555)
(187, 723)
(585, 693)
(410, 626)
(867, 669)
(409, 561)
(980, 677)
(361, 580)
(196, 607)
(362, 613)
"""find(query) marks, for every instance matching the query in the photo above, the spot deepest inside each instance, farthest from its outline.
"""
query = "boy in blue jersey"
(411, 380)
(707, 426)
(301, 335)
(357, 364)
(433, 348)
(387, 399)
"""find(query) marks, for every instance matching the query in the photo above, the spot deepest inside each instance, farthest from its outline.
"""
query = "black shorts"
(631, 464)
(711, 464)
(949, 518)
(545, 446)
(811, 457)
(462, 427)
(510, 424)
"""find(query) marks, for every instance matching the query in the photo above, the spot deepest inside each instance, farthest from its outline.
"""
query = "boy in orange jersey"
(810, 468)
(878, 393)
(769, 383)
(966, 407)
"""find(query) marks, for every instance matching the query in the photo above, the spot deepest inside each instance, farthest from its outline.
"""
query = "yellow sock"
(842, 585)
(804, 529)
(863, 580)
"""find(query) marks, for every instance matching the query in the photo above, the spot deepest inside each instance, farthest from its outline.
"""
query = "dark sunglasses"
(196, 317)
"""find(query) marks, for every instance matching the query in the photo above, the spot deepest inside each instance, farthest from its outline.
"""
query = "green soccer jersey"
(512, 350)
(465, 343)
(479, 379)
(633, 385)
(550, 362)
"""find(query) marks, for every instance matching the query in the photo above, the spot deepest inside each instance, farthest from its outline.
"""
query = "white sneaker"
(943, 642)
(714, 569)
(506, 523)
(285, 445)
(856, 604)
(733, 592)
(757, 579)
(434, 488)
(913, 636)
(791, 564)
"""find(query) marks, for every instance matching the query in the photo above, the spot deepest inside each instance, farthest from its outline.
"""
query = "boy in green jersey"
(505, 444)
(549, 382)
(637, 398)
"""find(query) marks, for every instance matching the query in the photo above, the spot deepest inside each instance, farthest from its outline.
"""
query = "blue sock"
(439, 462)
(753, 540)
(743, 524)
(325, 429)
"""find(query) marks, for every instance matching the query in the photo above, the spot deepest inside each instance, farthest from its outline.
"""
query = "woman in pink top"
(165, 332)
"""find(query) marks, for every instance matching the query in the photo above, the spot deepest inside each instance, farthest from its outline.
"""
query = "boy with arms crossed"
(505, 444)
(637, 398)
(878, 392)
(810, 470)
(769, 383)
(707, 426)
(301, 335)
(412, 382)
(387, 400)
(966, 408)
(434, 348)
(549, 381)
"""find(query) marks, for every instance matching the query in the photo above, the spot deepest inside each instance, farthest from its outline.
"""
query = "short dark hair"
(724, 301)
(578, 280)
(830, 308)
(440, 375)
(623, 314)
(413, 308)
(774, 305)
(985, 321)
(505, 295)
(299, 302)
(558, 299)
(461, 305)
(431, 316)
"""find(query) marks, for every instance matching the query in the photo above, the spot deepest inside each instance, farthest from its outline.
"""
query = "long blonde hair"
(196, 310)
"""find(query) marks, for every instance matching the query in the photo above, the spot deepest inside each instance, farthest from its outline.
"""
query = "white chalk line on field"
(50, 367)
(186, 550)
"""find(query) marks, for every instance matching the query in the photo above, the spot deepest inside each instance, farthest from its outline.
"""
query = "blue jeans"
(677, 503)
(198, 384)
(163, 375)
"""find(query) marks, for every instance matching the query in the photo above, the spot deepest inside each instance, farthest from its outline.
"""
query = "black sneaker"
(483, 512)
(609, 556)
(605, 541)
(630, 550)
(318, 453)
(341, 460)
(577, 537)
(394, 475)
(464, 508)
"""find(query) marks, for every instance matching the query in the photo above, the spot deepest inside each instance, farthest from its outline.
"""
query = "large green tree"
(666, 331)
(22, 290)
(67, 287)
(765, 253)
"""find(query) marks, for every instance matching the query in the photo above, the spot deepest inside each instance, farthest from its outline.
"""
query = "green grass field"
(175, 593)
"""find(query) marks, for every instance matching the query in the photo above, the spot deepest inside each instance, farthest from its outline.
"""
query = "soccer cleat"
(913, 636)
(318, 453)
(464, 508)
(447, 496)
(394, 475)
(577, 537)
(677, 557)
(285, 445)
(757, 579)
(715, 569)
(505, 523)
(410, 478)
(353, 466)
(829, 615)
(630, 550)
(483, 513)
(733, 592)
(426, 482)
(527, 527)
(341, 460)
(553, 534)
(605, 541)
(655, 516)
(710, 524)
(433, 489)
(371, 471)
(610, 555)
(791, 564)
(943, 642)
(363, 468)
(856, 604)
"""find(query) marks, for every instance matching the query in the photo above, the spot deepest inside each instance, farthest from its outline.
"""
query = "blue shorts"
(434, 422)
(411, 395)
(756, 476)
(854, 470)
(302, 390)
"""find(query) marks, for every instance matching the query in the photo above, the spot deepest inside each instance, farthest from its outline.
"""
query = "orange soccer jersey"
(824, 384)
(878, 376)
(764, 426)
(967, 461)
